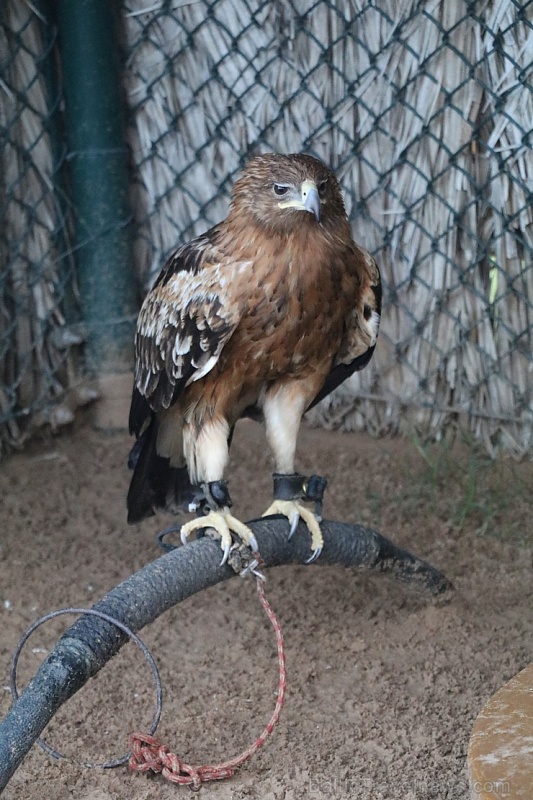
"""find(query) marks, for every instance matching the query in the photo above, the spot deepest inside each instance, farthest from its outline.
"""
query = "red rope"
(149, 754)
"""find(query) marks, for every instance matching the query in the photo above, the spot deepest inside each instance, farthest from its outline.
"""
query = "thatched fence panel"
(36, 267)
(425, 110)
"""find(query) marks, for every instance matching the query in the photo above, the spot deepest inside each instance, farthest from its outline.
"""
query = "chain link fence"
(37, 285)
(425, 111)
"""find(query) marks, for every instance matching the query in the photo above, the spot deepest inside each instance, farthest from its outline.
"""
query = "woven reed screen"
(425, 111)
(37, 297)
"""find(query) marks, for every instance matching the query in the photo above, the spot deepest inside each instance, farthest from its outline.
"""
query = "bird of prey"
(262, 316)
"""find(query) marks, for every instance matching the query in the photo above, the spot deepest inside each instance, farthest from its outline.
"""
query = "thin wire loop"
(133, 636)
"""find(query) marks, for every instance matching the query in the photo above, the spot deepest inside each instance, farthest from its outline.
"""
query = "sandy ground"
(384, 685)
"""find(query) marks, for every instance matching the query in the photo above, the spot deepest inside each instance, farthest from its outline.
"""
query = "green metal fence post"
(98, 155)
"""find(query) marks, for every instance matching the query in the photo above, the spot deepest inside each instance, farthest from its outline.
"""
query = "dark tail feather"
(155, 484)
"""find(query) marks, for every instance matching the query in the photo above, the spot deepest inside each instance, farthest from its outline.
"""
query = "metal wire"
(133, 636)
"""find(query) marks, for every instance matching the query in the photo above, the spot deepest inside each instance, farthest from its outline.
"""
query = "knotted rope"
(148, 753)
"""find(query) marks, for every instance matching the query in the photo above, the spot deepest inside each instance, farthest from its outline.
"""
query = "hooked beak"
(307, 200)
(310, 198)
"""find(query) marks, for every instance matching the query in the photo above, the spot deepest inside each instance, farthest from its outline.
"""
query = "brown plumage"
(263, 315)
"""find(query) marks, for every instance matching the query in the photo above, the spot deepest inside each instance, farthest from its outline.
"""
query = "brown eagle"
(262, 316)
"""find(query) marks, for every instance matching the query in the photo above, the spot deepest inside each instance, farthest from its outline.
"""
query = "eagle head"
(287, 192)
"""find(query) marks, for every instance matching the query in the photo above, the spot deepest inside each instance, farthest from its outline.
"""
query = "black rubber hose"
(90, 642)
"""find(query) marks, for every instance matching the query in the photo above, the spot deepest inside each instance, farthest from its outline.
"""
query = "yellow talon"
(294, 511)
(222, 523)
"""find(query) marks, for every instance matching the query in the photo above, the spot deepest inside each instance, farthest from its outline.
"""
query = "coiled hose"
(90, 642)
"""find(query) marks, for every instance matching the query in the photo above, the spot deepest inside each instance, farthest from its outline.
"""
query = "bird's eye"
(322, 188)
(280, 189)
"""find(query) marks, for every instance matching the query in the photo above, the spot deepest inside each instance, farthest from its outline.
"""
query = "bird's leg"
(216, 516)
(289, 491)
(283, 410)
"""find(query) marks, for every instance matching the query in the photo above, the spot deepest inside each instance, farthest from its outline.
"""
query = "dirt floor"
(384, 685)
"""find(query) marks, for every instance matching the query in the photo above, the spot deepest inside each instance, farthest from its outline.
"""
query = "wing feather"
(362, 328)
(183, 325)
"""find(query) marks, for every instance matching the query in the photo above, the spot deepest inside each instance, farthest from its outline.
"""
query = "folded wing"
(362, 328)
(184, 323)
